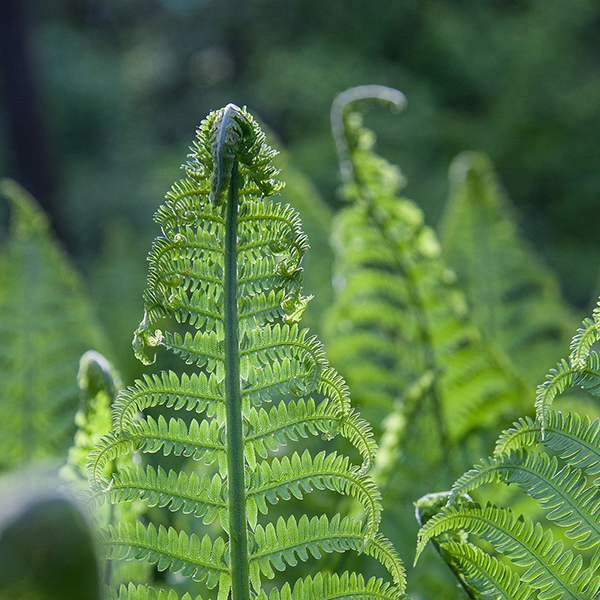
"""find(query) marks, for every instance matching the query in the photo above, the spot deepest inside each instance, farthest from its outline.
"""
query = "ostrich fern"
(555, 461)
(224, 294)
(401, 333)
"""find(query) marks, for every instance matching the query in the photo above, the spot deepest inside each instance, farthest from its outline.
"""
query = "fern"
(399, 328)
(401, 334)
(46, 324)
(515, 299)
(553, 460)
(99, 383)
(224, 294)
(581, 370)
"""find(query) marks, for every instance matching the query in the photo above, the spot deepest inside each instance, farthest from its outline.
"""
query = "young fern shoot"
(224, 294)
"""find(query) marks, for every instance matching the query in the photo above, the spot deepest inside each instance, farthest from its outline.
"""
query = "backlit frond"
(224, 294)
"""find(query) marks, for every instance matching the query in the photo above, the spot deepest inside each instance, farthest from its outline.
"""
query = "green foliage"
(400, 328)
(46, 324)
(99, 384)
(224, 294)
(401, 332)
(554, 461)
(514, 298)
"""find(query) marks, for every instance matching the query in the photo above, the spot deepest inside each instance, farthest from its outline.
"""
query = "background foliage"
(120, 84)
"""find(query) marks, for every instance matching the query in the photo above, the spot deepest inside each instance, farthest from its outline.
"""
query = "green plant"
(401, 333)
(514, 298)
(400, 329)
(46, 323)
(554, 461)
(224, 294)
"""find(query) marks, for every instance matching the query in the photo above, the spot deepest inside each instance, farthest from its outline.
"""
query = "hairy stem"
(238, 536)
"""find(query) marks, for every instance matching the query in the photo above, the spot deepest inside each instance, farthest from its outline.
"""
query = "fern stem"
(238, 536)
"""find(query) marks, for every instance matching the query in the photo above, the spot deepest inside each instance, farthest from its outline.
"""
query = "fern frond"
(224, 294)
(486, 574)
(550, 569)
(99, 383)
(398, 313)
(573, 505)
(515, 299)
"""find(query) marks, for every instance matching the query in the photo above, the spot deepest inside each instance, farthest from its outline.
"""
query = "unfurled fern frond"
(553, 460)
(515, 299)
(399, 328)
(46, 324)
(224, 294)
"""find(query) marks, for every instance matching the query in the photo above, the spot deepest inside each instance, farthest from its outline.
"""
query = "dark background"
(99, 100)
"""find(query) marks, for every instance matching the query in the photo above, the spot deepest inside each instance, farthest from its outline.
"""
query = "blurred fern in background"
(46, 324)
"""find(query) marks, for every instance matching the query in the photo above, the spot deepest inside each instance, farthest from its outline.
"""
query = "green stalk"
(238, 535)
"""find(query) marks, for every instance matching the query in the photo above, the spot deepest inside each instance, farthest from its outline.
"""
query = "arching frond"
(564, 491)
(549, 568)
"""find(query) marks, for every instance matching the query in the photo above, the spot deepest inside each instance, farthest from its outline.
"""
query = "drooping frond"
(563, 491)
(224, 294)
(515, 299)
(553, 460)
(46, 324)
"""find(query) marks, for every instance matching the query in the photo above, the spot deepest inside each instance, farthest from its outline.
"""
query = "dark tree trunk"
(27, 146)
